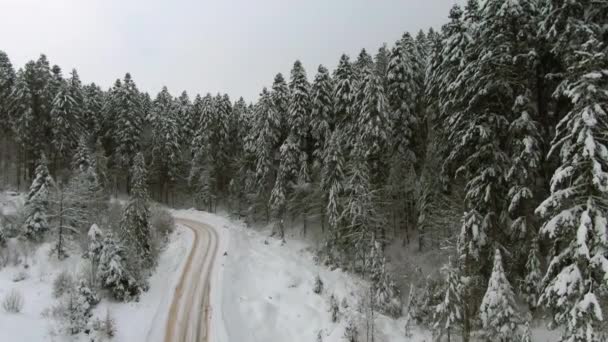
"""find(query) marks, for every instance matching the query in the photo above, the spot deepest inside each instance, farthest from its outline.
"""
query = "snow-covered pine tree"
(134, 225)
(575, 210)
(373, 129)
(530, 288)
(299, 114)
(128, 122)
(364, 61)
(37, 203)
(260, 144)
(525, 141)
(385, 293)
(93, 252)
(381, 61)
(322, 113)
(401, 95)
(360, 213)
(184, 116)
(22, 116)
(498, 310)
(286, 175)
(344, 94)
(7, 81)
(92, 114)
(166, 147)
(482, 104)
(332, 184)
(448, 314)
(114, 275)
(280, 95)
(64, 124)
(82, 158)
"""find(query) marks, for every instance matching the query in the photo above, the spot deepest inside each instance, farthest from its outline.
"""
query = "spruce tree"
(37, 203)
(280, 95)
(128, 110)
(322, 115)
(114, 274)
(498, 309)
(574, 213)
(92, 114)
(448, 314)
(134, 225)
(344, 93)
(166, 148)
(7, 81)
(531, 283)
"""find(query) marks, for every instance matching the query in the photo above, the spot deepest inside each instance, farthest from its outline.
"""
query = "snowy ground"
(261, 291)
(267, 292)
(135, 321)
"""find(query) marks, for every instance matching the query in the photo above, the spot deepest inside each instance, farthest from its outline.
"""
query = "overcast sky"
(232, 46)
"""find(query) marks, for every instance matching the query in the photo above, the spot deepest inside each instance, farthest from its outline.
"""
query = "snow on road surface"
(196, 314)
(189, 314)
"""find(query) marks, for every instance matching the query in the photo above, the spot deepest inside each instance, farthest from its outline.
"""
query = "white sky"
(231, 46)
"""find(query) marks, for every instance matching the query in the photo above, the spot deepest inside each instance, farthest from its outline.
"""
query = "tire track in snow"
(189, 315)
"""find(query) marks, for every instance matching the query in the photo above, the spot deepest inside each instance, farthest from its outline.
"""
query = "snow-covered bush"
(351, 333)
(20, 276)
(161, 221)
(334, 309)
(318, 288)
(13, 302)
(63, 283)
(113, 273)
(105, 329)
(75, 309)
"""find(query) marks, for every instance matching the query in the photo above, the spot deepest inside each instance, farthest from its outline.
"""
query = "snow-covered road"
(190, 312)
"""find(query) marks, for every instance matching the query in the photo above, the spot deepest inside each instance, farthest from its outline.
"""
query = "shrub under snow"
(13, 302)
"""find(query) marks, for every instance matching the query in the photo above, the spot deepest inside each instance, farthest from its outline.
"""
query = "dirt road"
(190, 311)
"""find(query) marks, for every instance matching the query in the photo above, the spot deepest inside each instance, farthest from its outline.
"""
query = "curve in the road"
(189, 315)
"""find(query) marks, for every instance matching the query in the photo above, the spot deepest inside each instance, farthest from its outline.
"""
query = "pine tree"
(344, 93)
(322, 115)
(386, 296)
(184, 118)
(94, 249)
(261, 143)
(7, 81)
(126, 105)
(401, 93)
(280, 95)
(37, 203)
(364, 61)
(92, 113)
(63, 117)
(448, 314)
(299, 118)
(574, 212)
(166, 148)
(332, 184)
(81, 160)
(373, 128)
(113, 272)
(134, 225)
(532, 281)
(498, 309)
(23, 121)
(525, 162)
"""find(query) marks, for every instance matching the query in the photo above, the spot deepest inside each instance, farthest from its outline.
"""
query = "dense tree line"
(487, 138)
